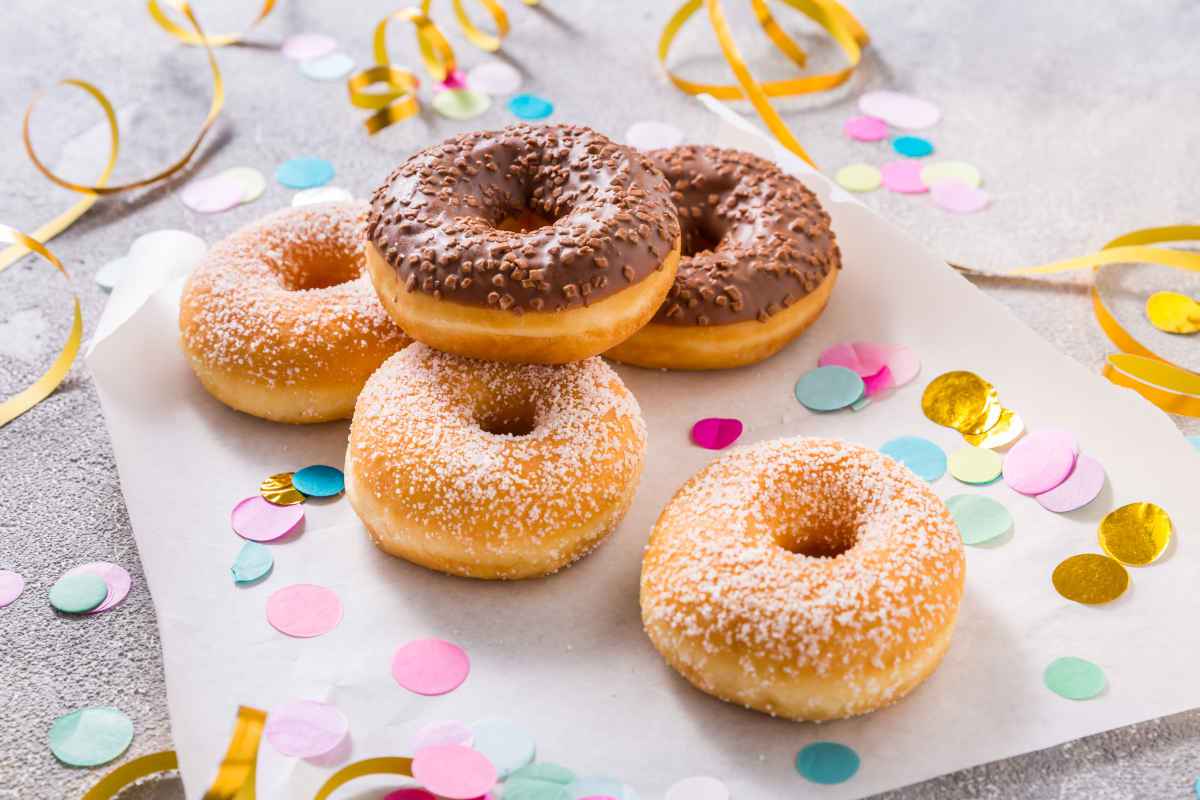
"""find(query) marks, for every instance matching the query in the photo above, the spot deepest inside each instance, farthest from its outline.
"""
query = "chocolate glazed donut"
(539, 244)
(759, 263)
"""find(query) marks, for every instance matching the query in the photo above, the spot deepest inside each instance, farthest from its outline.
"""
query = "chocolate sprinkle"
(609, 221)
(755, 239)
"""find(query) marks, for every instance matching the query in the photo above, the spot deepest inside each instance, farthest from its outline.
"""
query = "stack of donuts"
(462, 320)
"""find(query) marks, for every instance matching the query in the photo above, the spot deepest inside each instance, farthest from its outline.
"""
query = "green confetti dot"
(1074, 678)
(827, 762)
(75, 594)
(90, 736)
(254, 561)
(980, 519)
(461, 103)
(829, 388)
(541, 781)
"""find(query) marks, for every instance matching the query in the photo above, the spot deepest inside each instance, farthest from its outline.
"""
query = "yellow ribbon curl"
(198, 38)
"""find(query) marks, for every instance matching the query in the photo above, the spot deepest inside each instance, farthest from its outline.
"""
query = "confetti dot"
(449, 731)
(900, 110)
(862, 357)
(75, 594)
(961, 171)
(1172, 312)
(1090, 578)
(859, 178)
(592, 786)
(251, 180)
(412, 793)
(1195, 442)
(541, 781)
(903, 177)
(1040, 461)
(303, 46)
(860, 403)
(327, 68)
(321, 194)
(960, 400)
(975, 465)
(304, 173)
(700, 787)
(461, 103)
(920, 455)
(912, 146)
(980, 519)
(430, 666)
(507, 745)
(1008, 429)
(11, 586)
(278, 489)
(109, 275)
(90, 737)
(827, 762)
(116, 580)
(1135, 534)
(1074, 678)
(959, 197)
(304, 610)
(454, 771)
(306, 728)
(1081, 487)
(457, 79)
(877, 384)
(494, 78)
(829, 388)
(260, 521)
(253, 562)
(211, 195)
(865, 129)
(319, 480)
(530, 106)
(651, 135)
(716, 433)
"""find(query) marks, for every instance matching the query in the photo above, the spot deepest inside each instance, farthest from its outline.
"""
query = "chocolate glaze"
(613, 223)
(755, 240)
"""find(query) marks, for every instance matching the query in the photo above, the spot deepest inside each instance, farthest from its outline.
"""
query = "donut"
(807, 578)
(492, 470)
(535, 244)
(280, 321)
(758, 265)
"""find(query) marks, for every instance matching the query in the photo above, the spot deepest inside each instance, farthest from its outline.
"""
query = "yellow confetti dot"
(1173, 312)
(1136, 534)
(1090, 578)
(278, 489)
(859, 178)
(975, 465)
(1008, 429)
(951, 171)
(961, 400)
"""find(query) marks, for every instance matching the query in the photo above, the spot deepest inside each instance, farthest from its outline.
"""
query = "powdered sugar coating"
(725, 569)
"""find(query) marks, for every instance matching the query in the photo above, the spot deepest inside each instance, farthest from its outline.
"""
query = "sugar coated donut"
(807, 578)
(281, 322)
(492, 470)
(759, 263)
(537, 244)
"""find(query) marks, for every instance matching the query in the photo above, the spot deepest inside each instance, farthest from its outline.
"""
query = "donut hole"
(514, 418)
(318, 265)
(524, 221)
(700, 236)
(820, 541)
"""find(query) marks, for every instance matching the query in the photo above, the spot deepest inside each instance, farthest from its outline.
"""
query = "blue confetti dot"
(827, 762)
(304, 173)
(319, 481)
(912, 146)
(829, 388)
(1195, 440)
(922, 456)
(508, 746)
(253, 562)
(530, 106)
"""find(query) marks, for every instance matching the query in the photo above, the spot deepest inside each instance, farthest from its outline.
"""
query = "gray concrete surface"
(1082, 117)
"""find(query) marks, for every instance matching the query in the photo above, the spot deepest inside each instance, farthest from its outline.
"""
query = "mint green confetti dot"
(829, 388)
(90, 736)
(980, 519)
(542, 781)
(1074, 678)
(76, 594)
(253, 561)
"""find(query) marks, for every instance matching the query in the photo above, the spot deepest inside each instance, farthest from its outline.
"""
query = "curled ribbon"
(196, 37)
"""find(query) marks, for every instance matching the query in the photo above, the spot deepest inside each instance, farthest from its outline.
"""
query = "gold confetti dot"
(1136, 534)
(1008, 429)
(1090, 578)
(1173, 312)
(278, 489)
(960, 400)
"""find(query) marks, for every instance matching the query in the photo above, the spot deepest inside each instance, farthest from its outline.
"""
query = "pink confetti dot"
(431, 667)
(303, 46)
(859, 356)
(1081, 487)
(455, 80)
(258, 520)
(454, 771)
(1040, 461)
(716, 433)
(959, 197)
(865, 129)
(306, 728)
(11, 586)
(304, 610)
(879, 383)
(904, 176)
(115, 577)
(868, 359)
(901, 110)
(448, 731)
(410, 793)
(211, 195)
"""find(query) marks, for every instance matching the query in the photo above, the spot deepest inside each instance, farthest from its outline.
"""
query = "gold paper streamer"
(198, 37)
(1135, 534)
(1090, 578)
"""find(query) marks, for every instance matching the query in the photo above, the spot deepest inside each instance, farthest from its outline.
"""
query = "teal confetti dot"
(253, 562)
(76, 594)
(304, 173)
(980, 519)
(920, 455)
(912, 146)
(544, 781)
(1195, 440)
(1196, 788)
(603, 787)
(507, 745)
(530, 106)
(90, 737)
(827, 762)
(829, 388)
(319, 480)
(1074, 678)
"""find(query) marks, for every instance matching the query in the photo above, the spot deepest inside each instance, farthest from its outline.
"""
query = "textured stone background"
(1082, 116)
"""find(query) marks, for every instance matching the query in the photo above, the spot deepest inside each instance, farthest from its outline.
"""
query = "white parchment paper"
(566, 656)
